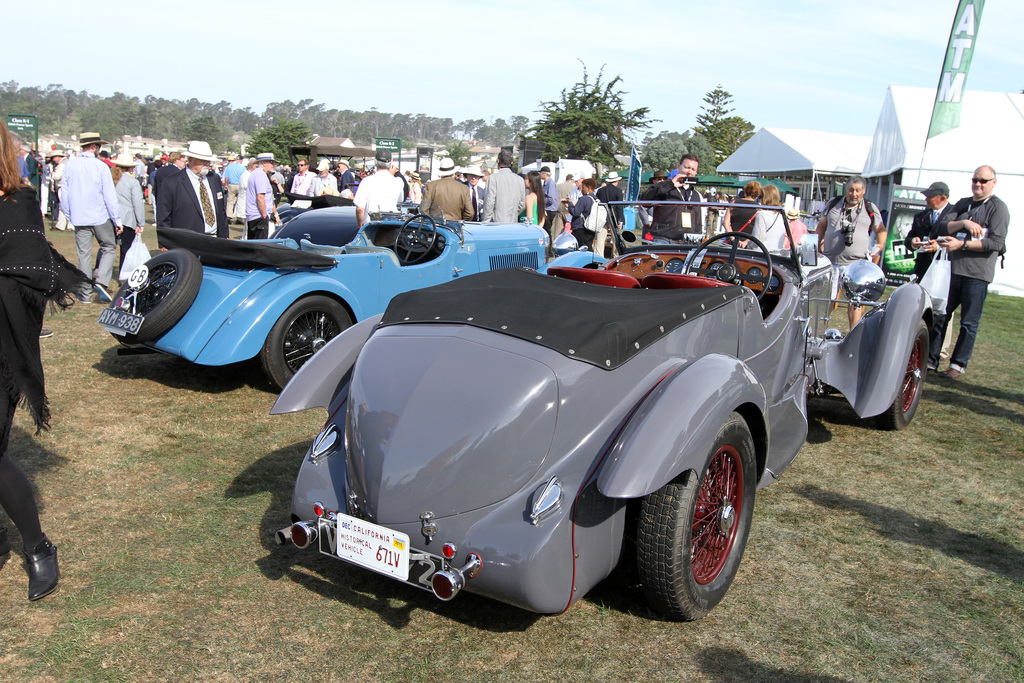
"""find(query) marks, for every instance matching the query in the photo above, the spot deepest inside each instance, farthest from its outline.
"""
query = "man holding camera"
(974, 232)
(844, 235)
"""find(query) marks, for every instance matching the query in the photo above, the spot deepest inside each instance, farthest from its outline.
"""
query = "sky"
(813, 64)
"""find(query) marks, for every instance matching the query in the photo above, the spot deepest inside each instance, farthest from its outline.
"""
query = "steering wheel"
(413, 244)
(727, 272)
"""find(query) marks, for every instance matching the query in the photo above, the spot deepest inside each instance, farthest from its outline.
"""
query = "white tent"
(991, 133)
(810, 156)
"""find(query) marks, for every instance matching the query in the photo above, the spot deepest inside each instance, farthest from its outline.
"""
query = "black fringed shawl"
(31, 273)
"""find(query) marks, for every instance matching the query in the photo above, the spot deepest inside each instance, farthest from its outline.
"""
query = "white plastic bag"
(136, 256)
(936, 281)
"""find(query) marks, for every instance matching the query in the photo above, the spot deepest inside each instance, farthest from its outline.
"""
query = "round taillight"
(448, 550)
(318, 509)
(303, 534)
(445, 585)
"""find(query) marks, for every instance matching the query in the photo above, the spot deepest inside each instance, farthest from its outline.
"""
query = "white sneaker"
(104, 294)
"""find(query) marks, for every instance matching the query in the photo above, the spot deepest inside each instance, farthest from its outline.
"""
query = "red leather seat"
(679, 281)
(608, 278)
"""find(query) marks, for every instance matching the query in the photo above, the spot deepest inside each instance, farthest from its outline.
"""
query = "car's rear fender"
(241, 334)
(868, 366)
(316, 383)
(674, 427)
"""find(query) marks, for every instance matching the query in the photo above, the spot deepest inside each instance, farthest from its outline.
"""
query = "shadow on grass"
(732, 664)
(177, 373)
(837, 411)
(392, 601)
(976, 390)
(32, 458)
(973, 402)
(984, 553)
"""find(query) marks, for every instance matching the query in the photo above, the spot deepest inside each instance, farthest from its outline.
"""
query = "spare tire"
(174, 280)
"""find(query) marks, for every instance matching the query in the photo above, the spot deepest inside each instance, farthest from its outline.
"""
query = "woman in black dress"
(31, 274)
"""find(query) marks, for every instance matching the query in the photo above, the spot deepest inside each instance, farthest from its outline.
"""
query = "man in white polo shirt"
(380, 192)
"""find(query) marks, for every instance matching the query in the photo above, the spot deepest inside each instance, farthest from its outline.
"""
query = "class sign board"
(25, 125)
(392, 144)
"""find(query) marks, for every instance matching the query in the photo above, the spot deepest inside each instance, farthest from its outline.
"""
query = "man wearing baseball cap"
(921, 236)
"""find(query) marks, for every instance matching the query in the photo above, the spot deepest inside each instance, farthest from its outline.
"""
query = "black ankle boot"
(43, 572)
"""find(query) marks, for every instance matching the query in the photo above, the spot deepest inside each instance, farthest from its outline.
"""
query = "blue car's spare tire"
(174, 280)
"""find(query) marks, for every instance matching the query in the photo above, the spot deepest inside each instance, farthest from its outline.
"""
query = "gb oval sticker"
(138, 277)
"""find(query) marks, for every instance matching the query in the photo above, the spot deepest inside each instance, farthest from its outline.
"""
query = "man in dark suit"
(922, 233)
(194, 198)
(174, 164)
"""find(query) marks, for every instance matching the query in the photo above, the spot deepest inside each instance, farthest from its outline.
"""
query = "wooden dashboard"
(639, 264)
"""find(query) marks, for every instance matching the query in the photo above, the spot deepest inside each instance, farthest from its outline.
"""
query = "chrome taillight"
(303, 534)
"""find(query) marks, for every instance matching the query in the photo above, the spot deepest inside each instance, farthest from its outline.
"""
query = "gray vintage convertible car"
(517, 434)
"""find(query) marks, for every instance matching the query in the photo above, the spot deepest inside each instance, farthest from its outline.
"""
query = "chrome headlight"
(565, 243)
(863, 281)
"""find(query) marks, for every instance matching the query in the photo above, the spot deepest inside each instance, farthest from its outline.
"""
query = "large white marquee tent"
(809, 160)
(991, 133)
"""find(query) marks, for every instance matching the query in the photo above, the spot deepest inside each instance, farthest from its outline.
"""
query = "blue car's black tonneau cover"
(240, 254)
(605, 326)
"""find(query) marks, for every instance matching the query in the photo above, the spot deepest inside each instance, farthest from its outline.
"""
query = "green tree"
(663, 151)
(725, 133)
(589, 121)
(458, 152)
(278, 137)
(205, 128)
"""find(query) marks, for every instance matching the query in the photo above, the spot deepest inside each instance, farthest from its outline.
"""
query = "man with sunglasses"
(974, 232)
(302, 182)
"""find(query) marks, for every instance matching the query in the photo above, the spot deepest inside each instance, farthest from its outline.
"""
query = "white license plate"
(120, 322)
(372, 546)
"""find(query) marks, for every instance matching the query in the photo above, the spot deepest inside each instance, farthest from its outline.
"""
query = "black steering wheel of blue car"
(414, 243)
(727, 272)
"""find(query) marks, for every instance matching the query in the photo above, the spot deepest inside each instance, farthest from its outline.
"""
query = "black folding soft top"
(605, 326)
(240, 254)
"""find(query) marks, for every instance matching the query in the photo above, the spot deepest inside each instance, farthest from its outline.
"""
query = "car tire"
(301, 331)
(174, 280)
(685, 574)
(902, 410)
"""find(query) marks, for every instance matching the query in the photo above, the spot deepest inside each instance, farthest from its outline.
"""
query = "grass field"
(879, 556)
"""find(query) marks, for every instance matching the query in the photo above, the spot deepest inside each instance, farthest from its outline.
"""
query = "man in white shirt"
(380, 192)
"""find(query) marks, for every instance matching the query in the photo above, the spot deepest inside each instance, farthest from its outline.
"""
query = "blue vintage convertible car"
(215, 302)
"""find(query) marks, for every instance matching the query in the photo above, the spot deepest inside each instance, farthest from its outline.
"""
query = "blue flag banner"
(959, 51)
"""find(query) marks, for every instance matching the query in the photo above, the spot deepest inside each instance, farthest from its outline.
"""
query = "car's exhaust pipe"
(447, 583)
(283, 536)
